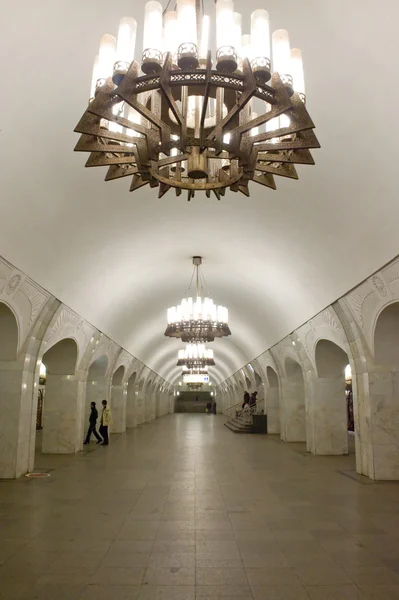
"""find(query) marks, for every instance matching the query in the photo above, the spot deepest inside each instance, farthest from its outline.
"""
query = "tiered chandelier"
(195, 356)
(191, 121)
(197, 320)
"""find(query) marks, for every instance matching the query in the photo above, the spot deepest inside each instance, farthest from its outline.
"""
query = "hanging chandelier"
(195, 356)
(198, 319)
(184, 119)
(196, 371)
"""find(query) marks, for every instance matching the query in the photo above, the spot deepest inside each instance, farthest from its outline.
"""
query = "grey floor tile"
(221, 576)
(335, 592)
(280, 592)
(110, 592)
(118, 576)
(162, 576)
(168, 592)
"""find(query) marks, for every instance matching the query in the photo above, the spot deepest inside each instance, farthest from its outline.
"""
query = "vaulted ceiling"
(274, 259)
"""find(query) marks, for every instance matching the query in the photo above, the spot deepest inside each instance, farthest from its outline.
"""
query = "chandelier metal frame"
(161, 98)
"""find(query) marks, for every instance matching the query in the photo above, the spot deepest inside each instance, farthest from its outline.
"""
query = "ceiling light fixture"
(186, 125)
(198, 319)
(195, 356)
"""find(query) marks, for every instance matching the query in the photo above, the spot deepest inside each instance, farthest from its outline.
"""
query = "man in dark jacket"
(92, 424)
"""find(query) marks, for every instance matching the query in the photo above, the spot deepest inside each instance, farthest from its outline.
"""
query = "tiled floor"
(183, 509)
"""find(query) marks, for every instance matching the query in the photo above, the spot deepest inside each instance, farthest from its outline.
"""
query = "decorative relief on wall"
(379, 285)
(37, 298)
(356, 299)
(13, 284)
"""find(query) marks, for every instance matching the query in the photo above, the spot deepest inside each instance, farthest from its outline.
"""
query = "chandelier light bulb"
(237, 22)
(282, 56)
(260, 41)
(225, 30)
(204, 44)
(106, 58)
(297, 72)
(94, 78)
(187, 21)
(126, 41)
(170, 33)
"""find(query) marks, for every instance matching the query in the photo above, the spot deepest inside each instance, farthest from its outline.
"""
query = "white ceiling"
(275, 259)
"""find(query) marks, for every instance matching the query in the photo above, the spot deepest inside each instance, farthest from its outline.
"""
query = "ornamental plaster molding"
(23, 296)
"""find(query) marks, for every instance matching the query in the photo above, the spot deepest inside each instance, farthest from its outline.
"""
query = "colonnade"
(82, 366)
(303, 378)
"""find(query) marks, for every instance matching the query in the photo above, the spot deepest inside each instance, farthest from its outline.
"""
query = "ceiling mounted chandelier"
(197, 371)
(198, 319)
(195, 356)
(192, 121)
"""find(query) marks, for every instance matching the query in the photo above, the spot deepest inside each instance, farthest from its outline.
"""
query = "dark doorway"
(192, 402)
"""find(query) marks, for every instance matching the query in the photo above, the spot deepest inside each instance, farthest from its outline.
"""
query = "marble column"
(293, 426)
(18, 408)
(61, 426)
(380, 434)
(327, 417)
(118, 408)
(131, 407)
(272, 409)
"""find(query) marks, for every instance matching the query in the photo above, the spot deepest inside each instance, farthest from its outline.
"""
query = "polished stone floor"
(183, 508)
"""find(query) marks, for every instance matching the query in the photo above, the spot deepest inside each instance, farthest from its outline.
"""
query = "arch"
(386, 337)
(97, 385)
(330, 359)
(118, 376)
(328, 412)
(258, 379)
(61, 358)
(294, 413)
(98, 368)
(248, 383)
(272, 401)
(8, 333)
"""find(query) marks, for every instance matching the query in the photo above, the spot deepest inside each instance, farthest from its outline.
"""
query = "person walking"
(105, 422)
(92, 424)
(252, 402)
(246, 399)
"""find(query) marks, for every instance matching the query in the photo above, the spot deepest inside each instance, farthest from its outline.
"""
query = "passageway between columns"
(327, 410)
(118, 401)
(63, 399)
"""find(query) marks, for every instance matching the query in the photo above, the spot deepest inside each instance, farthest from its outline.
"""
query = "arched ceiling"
(275, 259)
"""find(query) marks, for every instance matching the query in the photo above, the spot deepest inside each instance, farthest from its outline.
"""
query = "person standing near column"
(92, 424)
(105, 423)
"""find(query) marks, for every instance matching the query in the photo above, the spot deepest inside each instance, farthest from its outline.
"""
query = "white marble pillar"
(118, 408)
(18, 406)
(327, 417)
(140, 408)
(380, 433)
(61, 426)
(272, 409)
(131, 407)
(293, 425)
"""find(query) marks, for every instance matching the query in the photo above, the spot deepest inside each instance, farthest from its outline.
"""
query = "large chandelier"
(195, 356)
(198, 319)
(184, 119)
